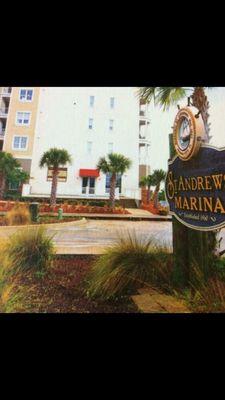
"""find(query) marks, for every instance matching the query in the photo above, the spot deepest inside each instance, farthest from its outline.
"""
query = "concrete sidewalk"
(135, 215)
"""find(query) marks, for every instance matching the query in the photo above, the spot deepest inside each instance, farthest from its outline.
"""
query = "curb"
(57, 224)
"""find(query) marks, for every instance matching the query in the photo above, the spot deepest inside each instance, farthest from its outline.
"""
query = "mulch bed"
(81, 209)
(61, 290)
(67, 208)
(156, 211)
(150, 207)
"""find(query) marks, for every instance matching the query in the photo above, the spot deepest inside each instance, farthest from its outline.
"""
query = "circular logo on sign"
(188, 132)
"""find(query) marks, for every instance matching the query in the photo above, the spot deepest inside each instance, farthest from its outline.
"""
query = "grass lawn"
(59, 291)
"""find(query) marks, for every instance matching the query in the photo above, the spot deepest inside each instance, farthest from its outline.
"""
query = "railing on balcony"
(2, 132)
(4, 112)
(144, 140)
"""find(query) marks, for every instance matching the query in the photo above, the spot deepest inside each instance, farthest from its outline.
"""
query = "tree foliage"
(10, 171)
(114, 163)
(54, 158)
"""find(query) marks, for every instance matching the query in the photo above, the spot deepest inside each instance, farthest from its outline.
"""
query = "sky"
(162, 121)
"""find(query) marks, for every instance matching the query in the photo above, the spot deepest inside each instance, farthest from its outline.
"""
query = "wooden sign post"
(195, 191)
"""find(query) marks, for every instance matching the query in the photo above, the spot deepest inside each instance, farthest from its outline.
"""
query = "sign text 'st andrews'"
(195, 189)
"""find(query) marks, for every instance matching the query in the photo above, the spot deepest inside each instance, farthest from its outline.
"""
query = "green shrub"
(128, 265)
(19, 215)
(207, 293)
(30, 249)
(13, 196)
(4, 265)
(11, 299)
(207, 287)
(97, 203)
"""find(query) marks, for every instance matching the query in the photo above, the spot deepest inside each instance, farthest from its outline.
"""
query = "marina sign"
(195, 189)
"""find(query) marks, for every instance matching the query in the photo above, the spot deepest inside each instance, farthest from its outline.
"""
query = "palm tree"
(147, 181)
(54, 158)
(114, 164)
(167, 96)
(10, 171)
(158, 176)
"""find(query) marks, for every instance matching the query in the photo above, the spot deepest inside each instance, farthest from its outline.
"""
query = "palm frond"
(103, 165)
(168, 96)
(158, 176)
(55, 157)
(147, 93)
(147, 180)
(163, 96)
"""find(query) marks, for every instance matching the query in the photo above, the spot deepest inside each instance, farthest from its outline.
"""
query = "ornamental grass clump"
(19, 215)
(30, 249)
(208, 292)
(130, 264)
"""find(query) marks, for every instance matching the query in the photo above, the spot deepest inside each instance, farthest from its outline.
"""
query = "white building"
(89, 122)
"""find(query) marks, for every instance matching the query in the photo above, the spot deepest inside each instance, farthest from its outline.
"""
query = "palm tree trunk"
(2, 186)
(112, 190)
(54, 187)
(148, 194)
(155, 195)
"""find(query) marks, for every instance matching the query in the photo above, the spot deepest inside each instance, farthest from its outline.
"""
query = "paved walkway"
(94, 236)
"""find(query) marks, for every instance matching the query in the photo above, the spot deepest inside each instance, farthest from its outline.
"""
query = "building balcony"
(6, 91)
(144, 119)
(144, 161)
(2, 133)
(144, 141)
(4, 112)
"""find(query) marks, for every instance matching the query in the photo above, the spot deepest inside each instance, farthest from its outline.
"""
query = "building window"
(111, 124)
(20, 142)
(90, 123)
(110, 147)
(62, 175)
(118, 182)
(89, 147)
(26, 94)
(112, 102)
(23, 118)
(92, 101)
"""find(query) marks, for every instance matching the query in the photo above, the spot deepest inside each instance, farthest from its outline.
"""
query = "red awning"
(89, 173)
